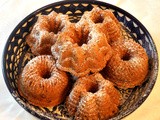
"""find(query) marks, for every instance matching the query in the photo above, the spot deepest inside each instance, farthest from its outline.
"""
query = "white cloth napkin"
(13, 11)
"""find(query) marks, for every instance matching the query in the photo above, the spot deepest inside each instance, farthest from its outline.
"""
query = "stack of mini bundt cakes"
(83, 51)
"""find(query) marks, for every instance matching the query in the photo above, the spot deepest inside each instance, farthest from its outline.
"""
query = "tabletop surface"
(13, 11)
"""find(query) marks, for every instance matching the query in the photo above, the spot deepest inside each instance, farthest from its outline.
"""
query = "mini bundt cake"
(128, 66)
(45, 32)
(105, 19)
(93, 98)
(41, 83)
(90, 54)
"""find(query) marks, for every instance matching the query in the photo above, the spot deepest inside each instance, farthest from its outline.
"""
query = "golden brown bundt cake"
(128, 66)
(90, 54)
(45, 32)
(105, 19)
(41, 83)
(93, 97)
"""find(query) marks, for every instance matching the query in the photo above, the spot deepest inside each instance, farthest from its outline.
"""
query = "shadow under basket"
(17, 54)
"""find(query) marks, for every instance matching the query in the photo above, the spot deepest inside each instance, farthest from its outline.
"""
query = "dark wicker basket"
(17, 54)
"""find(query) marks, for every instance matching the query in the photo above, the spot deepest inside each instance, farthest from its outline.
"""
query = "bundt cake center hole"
(99, 20)
(126, 57)
(55, 31)
(93, 89)
(46, 75)
(58, 28)
(84, 39)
